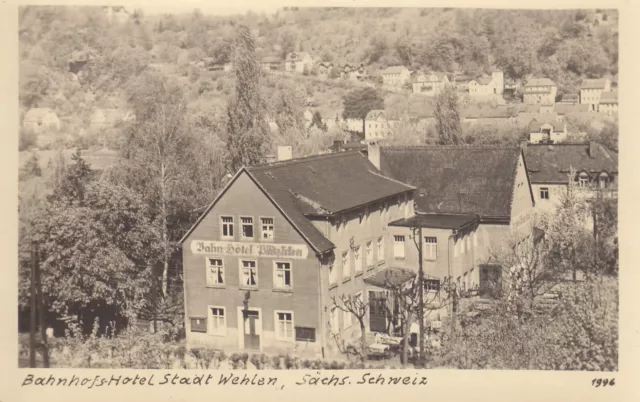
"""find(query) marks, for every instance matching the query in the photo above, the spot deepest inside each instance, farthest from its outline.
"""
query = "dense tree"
(358, 102)
(448, 117)
(247, 128)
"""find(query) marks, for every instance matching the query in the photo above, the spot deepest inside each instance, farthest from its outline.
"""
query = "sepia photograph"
(318, 188)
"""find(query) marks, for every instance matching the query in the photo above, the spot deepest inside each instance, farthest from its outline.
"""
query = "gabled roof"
(539, 82)
(456, 179)
(319, 186)
(594, 83)
(374, 114)
(609, 97)
(552, 163)
(394, 70)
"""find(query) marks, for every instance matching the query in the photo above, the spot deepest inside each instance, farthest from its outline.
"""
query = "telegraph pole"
(421, 295)
(41, 310)
(32, 312)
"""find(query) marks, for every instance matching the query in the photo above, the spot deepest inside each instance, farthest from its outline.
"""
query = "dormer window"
(603, 180)
(583, 180)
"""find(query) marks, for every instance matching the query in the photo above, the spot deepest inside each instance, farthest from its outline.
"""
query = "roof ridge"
(460, 147)
(301, 159)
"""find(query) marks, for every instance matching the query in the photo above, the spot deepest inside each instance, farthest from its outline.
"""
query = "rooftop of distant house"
(609, 98)
(374, 114)
(570, 98)
(600, 83)
(552, 163)
(293, 56)
(539, 82)
(394, 70)
(566, 109)
(539, 123)
(475, 180)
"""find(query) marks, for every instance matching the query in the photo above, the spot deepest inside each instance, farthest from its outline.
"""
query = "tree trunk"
(165, 240)
(363, 340)
(405, 341)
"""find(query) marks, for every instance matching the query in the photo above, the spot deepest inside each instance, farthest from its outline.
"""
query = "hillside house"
(569, 99)
(549, 166)
(486, 87)
(41, 119)
(468, 200)
(608, 103)
(378, 125)
(298, 62)
(263, 263)
(324, 67)
(430, 84)
(540, 91)
(591, 90)
(547, 131)
(395, 77)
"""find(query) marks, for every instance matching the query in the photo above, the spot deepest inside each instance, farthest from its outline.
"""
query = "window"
(456, 245)
(430, 251)
(583, 180)
(198, 324)
(284, 326)
(467, 242)
(346, 267)
(475, 239)
(267, 228)
(218, 321)
(249, 273)
(432, 285)
(227, 226)
(544, 193)
(332, 275)
(357, 259)
(398, 246)
(369, 252)
(461, 246)
(380, 250)
(305, 334)
(334, 320)
(247, 227)
(282, 275)
(215, 272)
(346, 319)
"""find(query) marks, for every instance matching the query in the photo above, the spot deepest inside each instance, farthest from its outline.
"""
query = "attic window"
(603, 180)
(583, 179)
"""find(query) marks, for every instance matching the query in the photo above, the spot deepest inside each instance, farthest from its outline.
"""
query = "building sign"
(235, 249)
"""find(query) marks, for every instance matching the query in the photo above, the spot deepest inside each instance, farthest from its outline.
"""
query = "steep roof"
(539, 82)
(609, 97)
(456, 179)
(552, 163)
(374, 114)
(394, 70)
(594, 83)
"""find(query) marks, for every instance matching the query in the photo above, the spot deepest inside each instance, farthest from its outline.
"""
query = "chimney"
(592, 149)
(373, 153)
(285, 152)
(337, 145)
(523, 144)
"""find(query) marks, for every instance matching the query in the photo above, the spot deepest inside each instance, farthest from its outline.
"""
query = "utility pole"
(41, 311)
(32, 312)
(421, 295)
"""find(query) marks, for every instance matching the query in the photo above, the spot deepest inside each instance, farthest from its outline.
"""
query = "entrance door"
(377, 312)
(490, 280)
(251, 334)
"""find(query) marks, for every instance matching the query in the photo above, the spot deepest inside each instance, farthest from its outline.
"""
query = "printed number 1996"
(597, 382)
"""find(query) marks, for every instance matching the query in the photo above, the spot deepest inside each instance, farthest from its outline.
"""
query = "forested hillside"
(110, 53)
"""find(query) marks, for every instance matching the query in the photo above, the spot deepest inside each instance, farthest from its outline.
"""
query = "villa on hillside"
(430, 84)
(298, 62)
(540, 91)
(395, 77)
(591, 91)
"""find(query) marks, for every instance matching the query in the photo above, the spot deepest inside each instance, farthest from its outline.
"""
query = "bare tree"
(354, 305)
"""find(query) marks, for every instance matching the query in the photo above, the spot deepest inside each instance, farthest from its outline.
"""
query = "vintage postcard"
(382, 201)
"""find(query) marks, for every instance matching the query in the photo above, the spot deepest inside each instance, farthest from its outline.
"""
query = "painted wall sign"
(223, 248)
